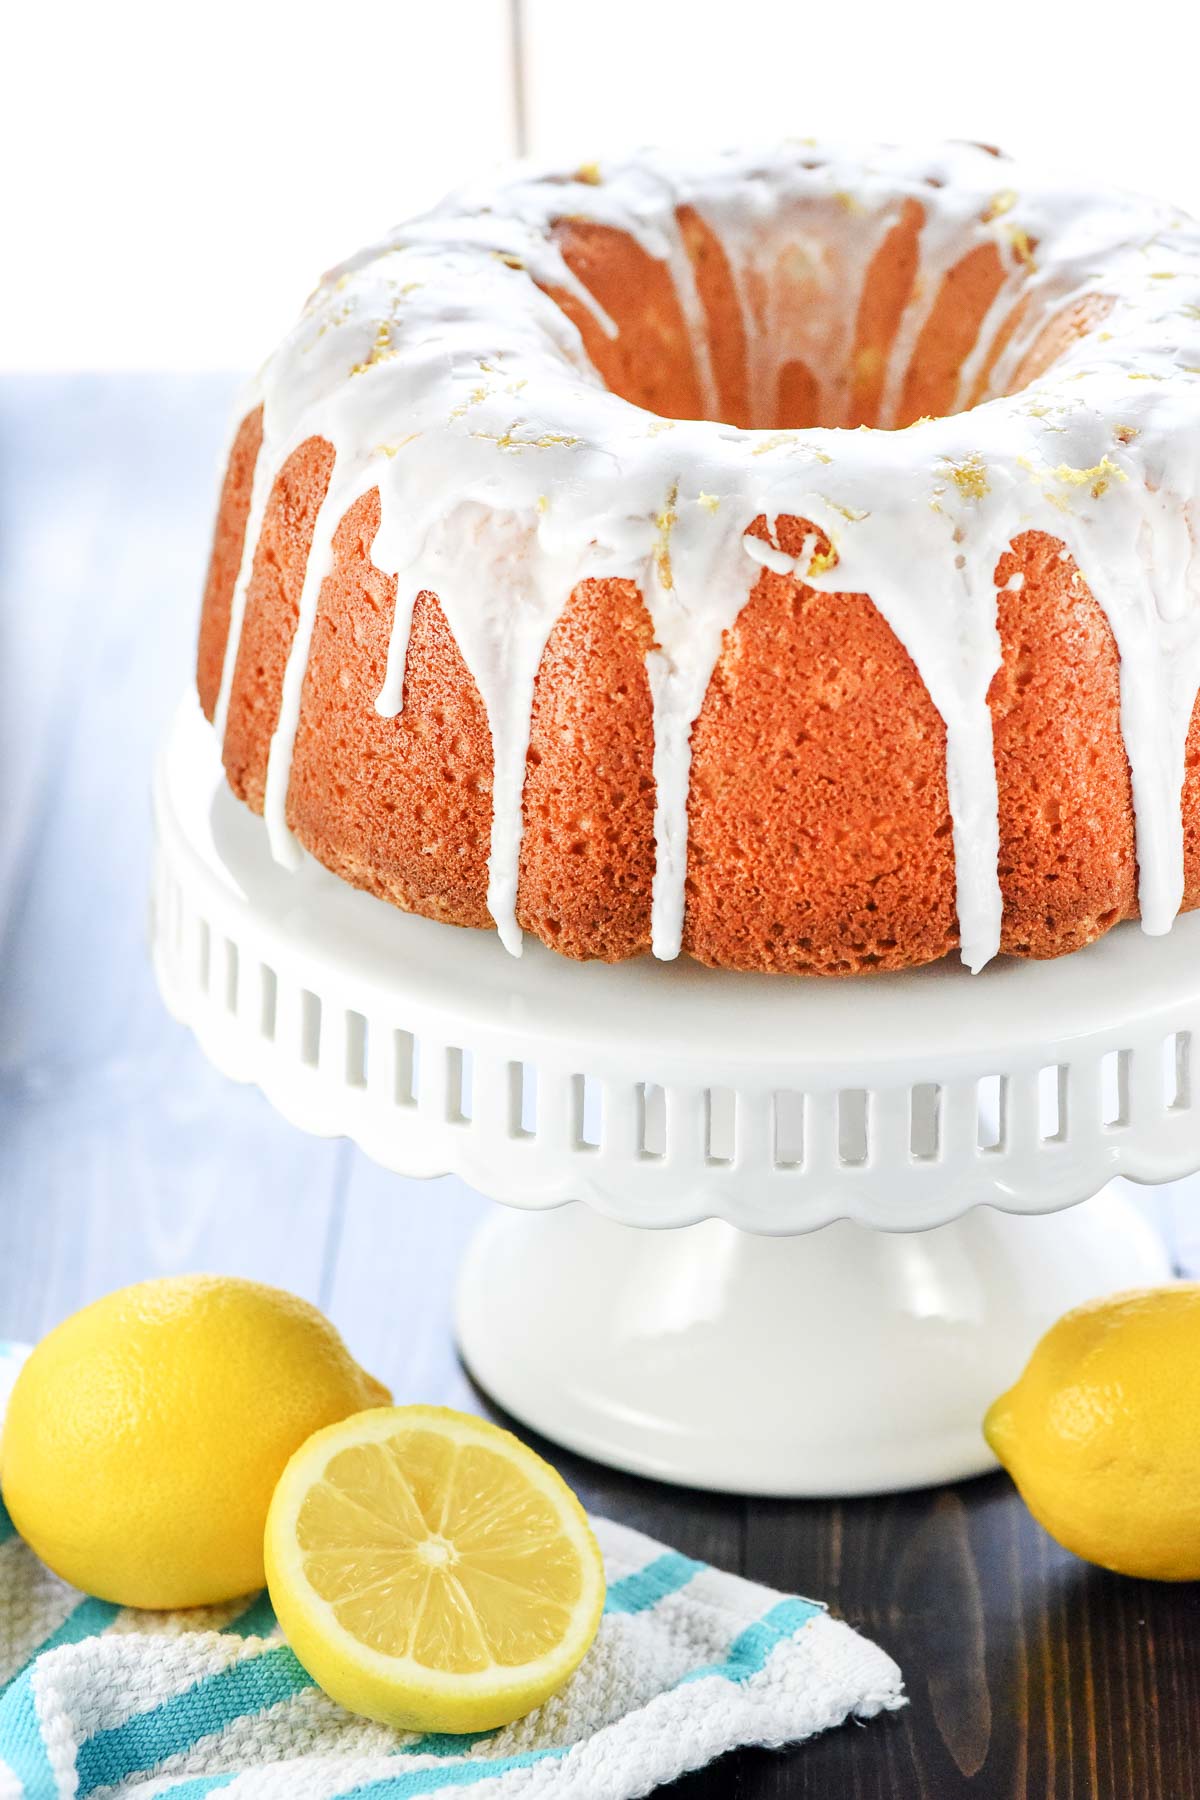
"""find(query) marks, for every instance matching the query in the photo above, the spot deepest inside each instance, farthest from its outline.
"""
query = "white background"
(176, 177)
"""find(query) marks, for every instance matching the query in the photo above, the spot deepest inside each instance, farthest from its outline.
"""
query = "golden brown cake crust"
(400, 806)
(950, 332)
(1191, 814)
(886, 293)
(725, 326)
(587, 858)
(818, 825)
(226, 559)
(272, 609)
(1067, 865)
(650, 362)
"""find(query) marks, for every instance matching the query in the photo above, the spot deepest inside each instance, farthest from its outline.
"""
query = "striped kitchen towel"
(102, 1701)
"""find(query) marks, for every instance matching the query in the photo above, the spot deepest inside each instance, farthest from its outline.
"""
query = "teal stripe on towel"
(200, 1785)
(7, 1528)
(751, 1648)
(142, 1742)
(20, 1733)
(431, 1781)
(258, 1620)
(665, 1575)
(446, 1743)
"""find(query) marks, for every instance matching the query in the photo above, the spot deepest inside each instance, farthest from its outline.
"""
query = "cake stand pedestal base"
(844, 1362)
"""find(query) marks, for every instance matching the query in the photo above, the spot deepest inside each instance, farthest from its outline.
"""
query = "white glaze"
(445, 377)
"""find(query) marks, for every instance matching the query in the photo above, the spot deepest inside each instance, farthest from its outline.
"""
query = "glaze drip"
(443, 372)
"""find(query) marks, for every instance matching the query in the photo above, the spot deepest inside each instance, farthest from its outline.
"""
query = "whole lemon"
(1102, 1432)
(146, 1433)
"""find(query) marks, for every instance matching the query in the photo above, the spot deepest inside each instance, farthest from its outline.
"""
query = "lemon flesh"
(145, 1435)
(1101, 1433)
(430, 1571)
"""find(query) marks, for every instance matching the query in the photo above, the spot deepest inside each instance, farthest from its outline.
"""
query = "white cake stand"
(739, 1352)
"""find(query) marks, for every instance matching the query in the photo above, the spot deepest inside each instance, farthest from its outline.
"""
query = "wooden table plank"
(122, 1153)
(392, 1287)
(1028, 1672)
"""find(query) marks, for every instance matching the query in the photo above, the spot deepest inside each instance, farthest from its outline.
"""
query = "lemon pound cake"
(788, 558)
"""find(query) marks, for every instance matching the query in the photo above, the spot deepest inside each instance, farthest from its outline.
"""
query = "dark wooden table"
(1030, 1676)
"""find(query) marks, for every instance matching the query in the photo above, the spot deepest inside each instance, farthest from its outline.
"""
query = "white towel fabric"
(102, 1701)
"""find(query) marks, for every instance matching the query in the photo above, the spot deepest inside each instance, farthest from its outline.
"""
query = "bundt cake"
(789, 558)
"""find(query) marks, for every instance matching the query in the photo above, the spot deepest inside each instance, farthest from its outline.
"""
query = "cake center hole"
(846, 318)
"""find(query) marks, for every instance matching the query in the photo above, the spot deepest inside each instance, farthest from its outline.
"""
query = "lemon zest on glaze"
(999, 204)
(1022, 245)
(382, 350)
(970, 476)
(392, 449)
(666, 521)
(1099, 478)
(505, 440)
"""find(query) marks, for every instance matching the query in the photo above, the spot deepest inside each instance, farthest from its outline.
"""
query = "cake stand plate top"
(664, 1093)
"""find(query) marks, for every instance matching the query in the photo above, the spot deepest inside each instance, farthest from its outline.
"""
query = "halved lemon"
(430, 1571)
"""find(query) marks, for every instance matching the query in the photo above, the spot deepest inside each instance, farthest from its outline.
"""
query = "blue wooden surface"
(122, 1153)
